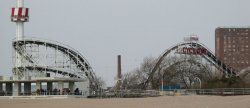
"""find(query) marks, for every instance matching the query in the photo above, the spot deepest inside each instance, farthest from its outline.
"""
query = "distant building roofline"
(233, 27)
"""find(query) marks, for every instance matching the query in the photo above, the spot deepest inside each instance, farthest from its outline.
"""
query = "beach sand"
(151, 102)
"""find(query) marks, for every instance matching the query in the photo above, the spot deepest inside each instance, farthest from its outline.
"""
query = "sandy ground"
(152, 102)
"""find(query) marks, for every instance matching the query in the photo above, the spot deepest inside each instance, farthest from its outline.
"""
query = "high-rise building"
(232, 46)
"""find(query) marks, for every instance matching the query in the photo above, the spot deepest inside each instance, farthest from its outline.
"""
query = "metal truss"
(43, 58)
(208, 58)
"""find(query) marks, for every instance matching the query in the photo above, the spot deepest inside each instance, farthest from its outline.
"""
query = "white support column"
(38, 87)
(19, 3)
(19, 25)
(19, 30)
(19, 36)
(27, 88)
(60, 87)
(17, 89)
(71, 87)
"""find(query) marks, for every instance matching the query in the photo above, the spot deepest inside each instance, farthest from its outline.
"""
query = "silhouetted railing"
(217, 91)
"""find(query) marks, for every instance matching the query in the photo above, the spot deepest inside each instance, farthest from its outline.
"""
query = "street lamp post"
(199, 80)
(162, 83)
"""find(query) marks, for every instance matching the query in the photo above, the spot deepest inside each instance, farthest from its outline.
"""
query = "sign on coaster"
(199, 51)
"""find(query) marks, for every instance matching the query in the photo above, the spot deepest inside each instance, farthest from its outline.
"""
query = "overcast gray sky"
(102, 29)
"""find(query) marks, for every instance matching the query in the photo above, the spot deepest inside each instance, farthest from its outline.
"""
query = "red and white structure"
(19, 14)
(32, 63)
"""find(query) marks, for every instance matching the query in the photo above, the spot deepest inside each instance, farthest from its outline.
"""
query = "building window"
(225, 42)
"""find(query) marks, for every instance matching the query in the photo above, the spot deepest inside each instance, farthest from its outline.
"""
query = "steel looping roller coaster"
(192, 48)
(43, 58)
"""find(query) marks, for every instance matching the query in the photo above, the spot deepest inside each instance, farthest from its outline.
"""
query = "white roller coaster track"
(80, 61)
(209, 56)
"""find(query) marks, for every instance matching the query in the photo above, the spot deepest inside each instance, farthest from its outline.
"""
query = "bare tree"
(135, 78)
(173, 70)
(100, 82)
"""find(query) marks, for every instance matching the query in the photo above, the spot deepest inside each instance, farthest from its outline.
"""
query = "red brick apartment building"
(232, 46)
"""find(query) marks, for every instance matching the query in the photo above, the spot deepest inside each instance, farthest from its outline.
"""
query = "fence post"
(243, 91)
(233, 91)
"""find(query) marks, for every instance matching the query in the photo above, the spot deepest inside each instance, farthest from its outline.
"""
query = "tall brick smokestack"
(119, 73)
(119, 70)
